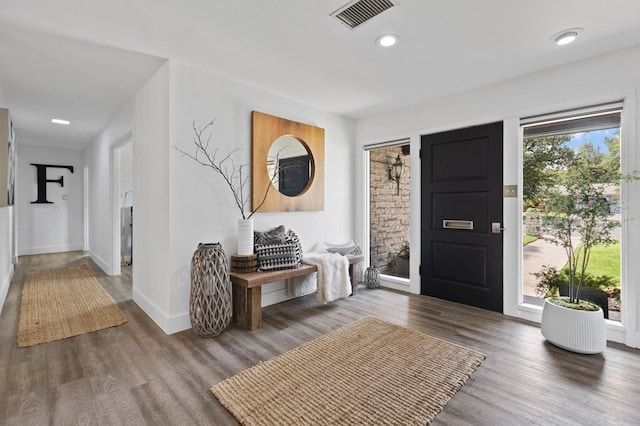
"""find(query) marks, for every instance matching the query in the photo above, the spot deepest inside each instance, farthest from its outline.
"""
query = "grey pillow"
(270, 237)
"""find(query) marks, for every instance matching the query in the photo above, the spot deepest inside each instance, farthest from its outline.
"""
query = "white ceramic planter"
(245, 237)
(578, 331)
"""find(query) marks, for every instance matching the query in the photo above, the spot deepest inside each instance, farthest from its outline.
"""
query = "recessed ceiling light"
(566, 36)
(387, 40)
(59, 121)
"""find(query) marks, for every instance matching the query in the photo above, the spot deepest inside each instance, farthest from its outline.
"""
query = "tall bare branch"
(225, 166)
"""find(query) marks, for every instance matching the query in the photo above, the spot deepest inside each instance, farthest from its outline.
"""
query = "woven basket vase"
(210, 302)
(372, 277)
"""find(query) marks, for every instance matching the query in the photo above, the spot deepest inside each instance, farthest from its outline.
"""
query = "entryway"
(461, 216)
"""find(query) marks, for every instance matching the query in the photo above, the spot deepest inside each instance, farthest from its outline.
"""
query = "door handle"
(496, 228)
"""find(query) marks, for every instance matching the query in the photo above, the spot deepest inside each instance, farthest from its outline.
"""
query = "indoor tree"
(542, 159)
(234, 175)
(576, 206)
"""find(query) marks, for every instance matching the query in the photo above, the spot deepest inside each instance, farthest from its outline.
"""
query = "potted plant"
(401, 260)
(553, 283)
(576, 209)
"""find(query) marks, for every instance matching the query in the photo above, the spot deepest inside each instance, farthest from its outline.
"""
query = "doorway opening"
(561, 152)
(389, 208)
(122, 204)
(126, 204)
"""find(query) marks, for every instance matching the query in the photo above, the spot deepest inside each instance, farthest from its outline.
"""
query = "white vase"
(245, 237)
(584, 332)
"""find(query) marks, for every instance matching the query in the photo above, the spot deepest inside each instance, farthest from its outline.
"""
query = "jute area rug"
(370, 372)
(64, 302)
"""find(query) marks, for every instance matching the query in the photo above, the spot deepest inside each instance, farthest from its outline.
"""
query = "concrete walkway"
(542, 252)
(535, 255)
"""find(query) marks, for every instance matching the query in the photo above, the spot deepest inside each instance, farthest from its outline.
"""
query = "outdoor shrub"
(549, 280)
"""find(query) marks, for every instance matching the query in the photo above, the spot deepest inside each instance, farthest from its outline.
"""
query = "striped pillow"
(291, 237)
(272, 257)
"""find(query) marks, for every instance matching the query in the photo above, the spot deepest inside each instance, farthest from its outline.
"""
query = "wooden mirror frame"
(265, 130)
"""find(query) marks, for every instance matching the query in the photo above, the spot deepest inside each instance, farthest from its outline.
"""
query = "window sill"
(396, 283)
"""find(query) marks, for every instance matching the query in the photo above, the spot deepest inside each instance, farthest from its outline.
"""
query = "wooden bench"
(247, 289)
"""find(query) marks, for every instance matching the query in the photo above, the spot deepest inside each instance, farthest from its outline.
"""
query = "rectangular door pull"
(457, 224)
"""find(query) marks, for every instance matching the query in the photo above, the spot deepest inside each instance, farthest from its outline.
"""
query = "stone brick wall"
(389, 212)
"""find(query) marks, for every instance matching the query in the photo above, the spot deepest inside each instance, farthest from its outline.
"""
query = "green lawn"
(528, 239)
(605, 260)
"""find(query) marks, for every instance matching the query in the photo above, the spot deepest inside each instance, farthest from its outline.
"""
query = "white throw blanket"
(332, 277)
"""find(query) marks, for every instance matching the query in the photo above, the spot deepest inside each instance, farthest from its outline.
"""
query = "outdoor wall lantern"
(395, 172)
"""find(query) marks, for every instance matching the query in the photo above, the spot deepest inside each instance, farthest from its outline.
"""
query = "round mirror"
(289, 165)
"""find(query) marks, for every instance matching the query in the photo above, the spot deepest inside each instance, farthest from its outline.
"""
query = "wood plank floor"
(135, 374)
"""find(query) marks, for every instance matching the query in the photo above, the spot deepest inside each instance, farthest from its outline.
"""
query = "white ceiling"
(84, 60)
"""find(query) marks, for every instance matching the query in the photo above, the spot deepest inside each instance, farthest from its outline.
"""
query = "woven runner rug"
(64, 302)
(370, 372)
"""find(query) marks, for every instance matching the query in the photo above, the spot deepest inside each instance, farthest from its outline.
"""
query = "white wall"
(603, 79)
(6, 264)
(6, 238)
(3, 102)
(97, 158)
(190, 204)
(151, 175)
(126, 175)
(49, 228)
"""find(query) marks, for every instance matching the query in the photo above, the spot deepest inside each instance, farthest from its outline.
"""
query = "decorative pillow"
(291, 237)
(272, 257)
(358, 267)
(272, 236)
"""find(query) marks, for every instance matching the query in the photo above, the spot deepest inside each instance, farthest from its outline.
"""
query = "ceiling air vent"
(356, 13)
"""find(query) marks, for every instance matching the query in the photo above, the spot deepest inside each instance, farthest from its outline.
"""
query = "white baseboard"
(181, 322)
(273, 297)
(4, 287)
(168, 324)
(633, 339)
(616, 332)
(529, 312)
(273, 293)
(50, 249)
(395, 283)
(101, 263)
